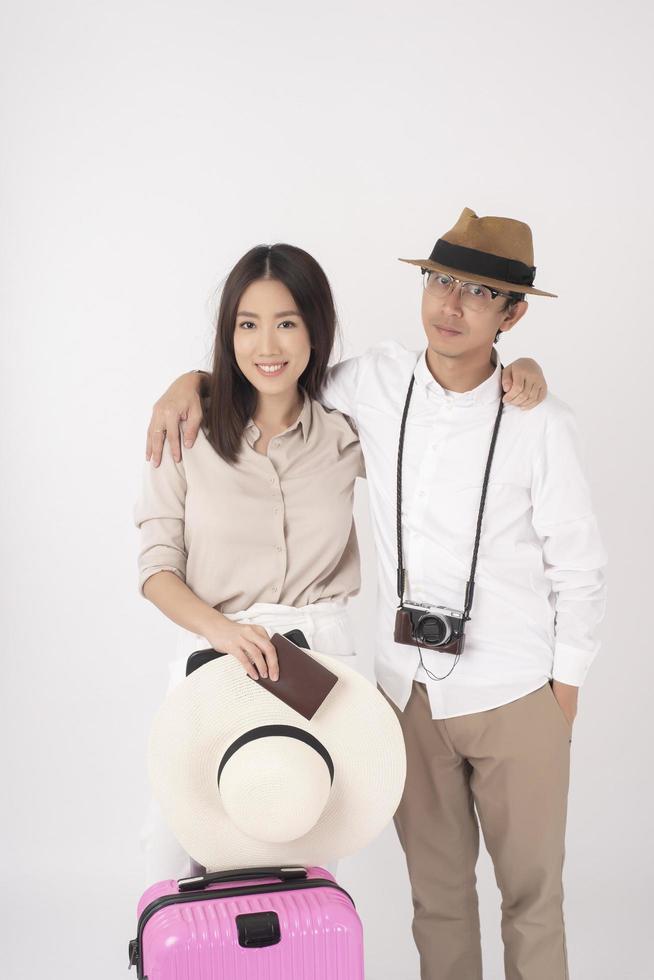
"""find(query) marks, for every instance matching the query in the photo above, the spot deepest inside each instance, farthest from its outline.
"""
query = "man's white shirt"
(539, 594)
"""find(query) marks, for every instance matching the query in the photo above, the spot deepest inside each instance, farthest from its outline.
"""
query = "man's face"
(455, 330)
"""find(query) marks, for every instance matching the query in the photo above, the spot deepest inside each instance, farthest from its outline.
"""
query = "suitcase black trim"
(136, 945)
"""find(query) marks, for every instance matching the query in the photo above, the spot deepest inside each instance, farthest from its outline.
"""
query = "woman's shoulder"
(330, 420)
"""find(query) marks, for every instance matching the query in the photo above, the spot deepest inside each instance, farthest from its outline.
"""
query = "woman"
(251, 531)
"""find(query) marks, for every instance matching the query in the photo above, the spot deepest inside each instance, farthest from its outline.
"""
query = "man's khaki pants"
(511, 765)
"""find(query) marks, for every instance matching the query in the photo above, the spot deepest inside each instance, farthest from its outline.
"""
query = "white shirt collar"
(485, 393)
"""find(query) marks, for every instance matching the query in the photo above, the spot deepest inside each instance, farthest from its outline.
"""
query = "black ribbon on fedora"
(482, 263)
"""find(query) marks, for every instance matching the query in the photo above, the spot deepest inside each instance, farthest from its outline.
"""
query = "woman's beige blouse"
(275, 528)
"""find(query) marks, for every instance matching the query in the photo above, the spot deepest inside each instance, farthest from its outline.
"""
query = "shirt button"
(275, 590)
(272, 479)
(276, 444)
(278, 548)
(276, 510)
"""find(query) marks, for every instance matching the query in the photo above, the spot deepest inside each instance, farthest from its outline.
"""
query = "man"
(500, 546)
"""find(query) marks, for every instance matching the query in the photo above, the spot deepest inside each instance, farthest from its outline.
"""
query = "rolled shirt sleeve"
(159, 516)
(573, 552)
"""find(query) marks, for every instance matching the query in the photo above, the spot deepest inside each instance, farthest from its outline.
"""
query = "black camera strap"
(470, 587)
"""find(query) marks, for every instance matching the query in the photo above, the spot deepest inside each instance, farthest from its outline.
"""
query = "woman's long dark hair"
(232, 399)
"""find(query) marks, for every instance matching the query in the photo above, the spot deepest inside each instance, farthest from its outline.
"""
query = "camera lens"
(432, 631)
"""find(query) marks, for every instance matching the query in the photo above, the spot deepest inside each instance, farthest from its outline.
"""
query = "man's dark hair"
(232, 399)
(509, 303)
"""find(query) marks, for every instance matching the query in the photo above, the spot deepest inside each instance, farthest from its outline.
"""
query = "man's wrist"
(567, 688)
(203, 378)
(567, 697)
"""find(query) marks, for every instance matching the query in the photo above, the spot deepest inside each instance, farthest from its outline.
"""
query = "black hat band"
(289, 731)
(482, 263)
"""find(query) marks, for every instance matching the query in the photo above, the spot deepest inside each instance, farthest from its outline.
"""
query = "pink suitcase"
(254, 924)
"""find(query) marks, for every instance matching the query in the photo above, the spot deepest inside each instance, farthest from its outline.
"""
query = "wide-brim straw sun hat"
(244, 780)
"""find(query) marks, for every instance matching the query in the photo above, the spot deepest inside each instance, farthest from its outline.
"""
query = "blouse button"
(278, 548)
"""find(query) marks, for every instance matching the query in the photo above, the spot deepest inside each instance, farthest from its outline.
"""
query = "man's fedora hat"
(495, 252)
(244, 780)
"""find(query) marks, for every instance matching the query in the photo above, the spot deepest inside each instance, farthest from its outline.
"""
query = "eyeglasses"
(474, 296)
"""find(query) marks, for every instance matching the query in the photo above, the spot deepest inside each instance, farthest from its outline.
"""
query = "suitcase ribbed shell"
(320, 934)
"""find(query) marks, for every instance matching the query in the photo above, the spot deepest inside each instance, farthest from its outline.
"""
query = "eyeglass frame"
(518, 297)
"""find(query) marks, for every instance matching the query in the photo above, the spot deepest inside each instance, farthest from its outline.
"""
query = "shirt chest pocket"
(456, 510)
(460, 463)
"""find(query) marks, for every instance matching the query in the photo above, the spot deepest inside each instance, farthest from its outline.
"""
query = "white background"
(145, 146)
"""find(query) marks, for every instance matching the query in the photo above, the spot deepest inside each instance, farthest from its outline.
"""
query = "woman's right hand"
(180, 403)
(250, 645)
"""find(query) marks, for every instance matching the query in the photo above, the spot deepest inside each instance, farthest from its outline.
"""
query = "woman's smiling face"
(272, 345)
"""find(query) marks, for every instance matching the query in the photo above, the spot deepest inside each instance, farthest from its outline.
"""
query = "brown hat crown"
(505, 237)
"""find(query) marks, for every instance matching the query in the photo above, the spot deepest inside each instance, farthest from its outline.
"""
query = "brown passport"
(303, 682)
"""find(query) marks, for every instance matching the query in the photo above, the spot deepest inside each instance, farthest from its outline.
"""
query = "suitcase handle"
(243, 874)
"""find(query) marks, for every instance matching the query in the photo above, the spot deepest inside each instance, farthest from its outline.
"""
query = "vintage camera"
(419, 624)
